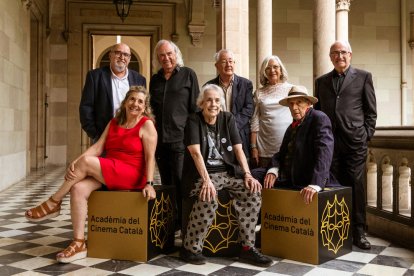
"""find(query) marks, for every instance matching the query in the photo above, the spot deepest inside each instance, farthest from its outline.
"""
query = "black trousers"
(170, 159)
(348, 166)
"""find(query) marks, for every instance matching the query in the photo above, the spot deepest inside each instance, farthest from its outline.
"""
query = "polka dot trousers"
(246, 205)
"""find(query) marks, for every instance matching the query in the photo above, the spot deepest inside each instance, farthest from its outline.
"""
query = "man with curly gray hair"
(174, 90)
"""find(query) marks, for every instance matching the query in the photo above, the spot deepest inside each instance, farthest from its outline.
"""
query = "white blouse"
(270, 119)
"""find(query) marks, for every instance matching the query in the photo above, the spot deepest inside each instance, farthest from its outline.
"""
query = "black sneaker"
(254, 257)
(192, 258)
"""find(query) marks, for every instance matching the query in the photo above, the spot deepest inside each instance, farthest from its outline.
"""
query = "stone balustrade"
(390, 162)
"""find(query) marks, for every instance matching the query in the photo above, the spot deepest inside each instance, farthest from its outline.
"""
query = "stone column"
(263, 34)
(233, 31)
(342, 10)
(323, 35)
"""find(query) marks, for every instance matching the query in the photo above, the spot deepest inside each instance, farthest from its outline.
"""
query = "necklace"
(131, 125)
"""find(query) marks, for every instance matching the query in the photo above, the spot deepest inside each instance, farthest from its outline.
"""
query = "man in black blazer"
(104, 90)
(305, 155)
(347, 96)
(238, 93)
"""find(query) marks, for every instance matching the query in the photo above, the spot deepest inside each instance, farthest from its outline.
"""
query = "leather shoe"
(361, 241)
(254, 257)
(192, 258)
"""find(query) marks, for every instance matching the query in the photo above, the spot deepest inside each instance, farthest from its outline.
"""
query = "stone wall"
(57, 76)
(374, 33)
(14, 91)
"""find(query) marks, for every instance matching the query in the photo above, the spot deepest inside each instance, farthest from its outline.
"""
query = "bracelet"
(253, 146)
(151, 183)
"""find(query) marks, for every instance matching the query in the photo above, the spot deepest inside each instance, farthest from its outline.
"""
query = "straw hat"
(298, 91)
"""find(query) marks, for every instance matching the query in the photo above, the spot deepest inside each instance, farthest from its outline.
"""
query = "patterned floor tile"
(359, 257)
(115, 265)
(145, 269)
(381, 270)
(289, 269)
(398, 252)
(9, 270)
(391, 261)
(235, 271)
(28, 249)
(204, 269)
(33, 263)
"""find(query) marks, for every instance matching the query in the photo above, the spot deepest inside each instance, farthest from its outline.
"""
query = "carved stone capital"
(411, 43)
(27, 3)
(175, 37)
(343, 5)
(196, 32)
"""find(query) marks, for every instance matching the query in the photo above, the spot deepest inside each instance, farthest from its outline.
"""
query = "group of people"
(285, 135)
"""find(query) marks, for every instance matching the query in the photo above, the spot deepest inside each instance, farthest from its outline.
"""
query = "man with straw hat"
(304, 158)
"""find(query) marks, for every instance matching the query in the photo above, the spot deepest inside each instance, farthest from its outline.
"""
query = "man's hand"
(307, 194)
(207, 191)
(270, 180)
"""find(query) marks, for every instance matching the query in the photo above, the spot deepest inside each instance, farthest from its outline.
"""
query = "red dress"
(123, 166)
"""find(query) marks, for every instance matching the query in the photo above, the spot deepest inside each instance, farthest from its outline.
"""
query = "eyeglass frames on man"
(338, 53)
(122, 54)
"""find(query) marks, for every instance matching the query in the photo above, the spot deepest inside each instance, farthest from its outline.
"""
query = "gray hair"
(263, 77)
(155, 62)
(222, 51)
(344, 43)
(208, 87)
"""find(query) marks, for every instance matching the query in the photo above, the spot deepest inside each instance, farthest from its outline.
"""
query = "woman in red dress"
(129, 143)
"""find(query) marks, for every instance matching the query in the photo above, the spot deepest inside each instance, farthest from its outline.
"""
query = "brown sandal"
(43, 212)
(73, 252)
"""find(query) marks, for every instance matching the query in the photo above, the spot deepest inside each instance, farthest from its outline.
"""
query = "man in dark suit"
(347, 96)
(104, 90)
(305, 155)
(238, 93)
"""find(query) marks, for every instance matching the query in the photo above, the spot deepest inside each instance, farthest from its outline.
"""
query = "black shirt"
(196, 134)
(172, 100)
(338, 79)
(214, 161)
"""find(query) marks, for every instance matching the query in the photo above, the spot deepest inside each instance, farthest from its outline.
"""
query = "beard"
(119, 67)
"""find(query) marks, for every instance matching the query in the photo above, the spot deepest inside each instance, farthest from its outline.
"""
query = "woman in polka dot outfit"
(214, 161)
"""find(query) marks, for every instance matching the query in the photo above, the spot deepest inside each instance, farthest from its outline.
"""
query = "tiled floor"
(30, 248)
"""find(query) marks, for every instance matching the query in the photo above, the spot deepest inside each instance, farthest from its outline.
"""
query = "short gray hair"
(343, 42)
(263, 77)
(155, 62)
(208, 87)
(222, 51)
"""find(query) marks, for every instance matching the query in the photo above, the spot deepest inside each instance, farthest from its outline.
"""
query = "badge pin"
(229, 148)
(223, 140)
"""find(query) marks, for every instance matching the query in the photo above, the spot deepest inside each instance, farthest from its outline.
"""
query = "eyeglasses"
(122, 54)
(338, 53)
(230, 62)
(274, 67)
